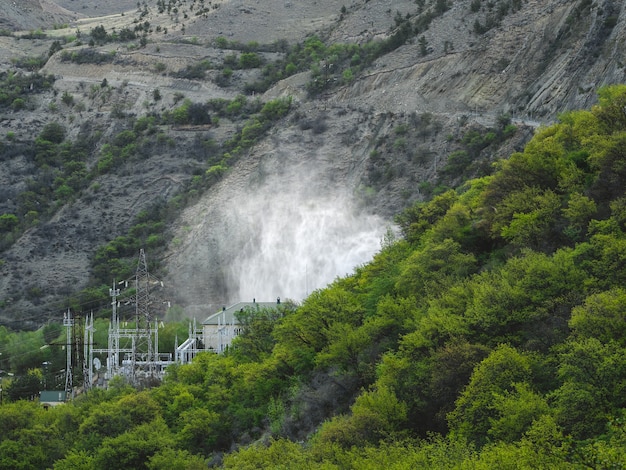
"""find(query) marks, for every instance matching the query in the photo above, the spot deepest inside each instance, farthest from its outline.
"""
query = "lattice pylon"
(143, 317)
(68, 323)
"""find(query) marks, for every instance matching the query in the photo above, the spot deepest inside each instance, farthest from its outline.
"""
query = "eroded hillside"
(458, 84)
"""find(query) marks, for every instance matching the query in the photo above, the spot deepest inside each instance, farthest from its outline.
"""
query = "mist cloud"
(297, 239)
(280, 225)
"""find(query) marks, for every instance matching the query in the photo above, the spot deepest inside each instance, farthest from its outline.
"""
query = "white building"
(219, 329)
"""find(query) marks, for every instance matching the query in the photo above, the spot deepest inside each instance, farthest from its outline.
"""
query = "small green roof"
(52, 396)
(227, 314)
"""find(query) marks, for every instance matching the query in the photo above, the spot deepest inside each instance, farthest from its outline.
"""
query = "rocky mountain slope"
(315, 196)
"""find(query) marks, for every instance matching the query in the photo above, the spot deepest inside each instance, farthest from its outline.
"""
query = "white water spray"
(296, 242)
(283, 226)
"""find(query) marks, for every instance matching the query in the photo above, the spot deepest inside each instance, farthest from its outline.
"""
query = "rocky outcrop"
(28, 15)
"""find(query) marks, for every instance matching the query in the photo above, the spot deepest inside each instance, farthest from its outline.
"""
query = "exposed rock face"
(33, 14)
(541, 60)
(259, 232)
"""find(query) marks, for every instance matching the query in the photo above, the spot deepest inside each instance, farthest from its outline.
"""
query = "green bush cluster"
(117, 259)
(280, 45)
(196, 71)
(17, 86)
(33, 34)
(496, 12)
(332, 65)
(60, 174)
(339, 63)
(30, 63)
(237, 108)
(88, 55)
(189, 113)
(474, 155)
(394, 152)
(100, 36)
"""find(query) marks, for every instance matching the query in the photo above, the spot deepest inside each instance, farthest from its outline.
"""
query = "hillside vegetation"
(127, 125)
(489, 335)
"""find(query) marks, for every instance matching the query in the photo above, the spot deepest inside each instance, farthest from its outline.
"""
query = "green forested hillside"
(491, 334)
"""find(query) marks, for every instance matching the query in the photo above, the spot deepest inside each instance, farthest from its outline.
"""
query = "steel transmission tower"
(143, 321)
(75, 360)
(113, 358)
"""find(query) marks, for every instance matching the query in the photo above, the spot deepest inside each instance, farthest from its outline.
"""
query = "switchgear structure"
(132, 352)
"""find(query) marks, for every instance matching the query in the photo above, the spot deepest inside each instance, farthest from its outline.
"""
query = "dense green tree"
(106, 420)
(434, 268)
(15, 416)
(422, 216)
(515, 412)
(543, 446)
(134, 448)
(280, 453)
(8, 222)
(31, 436)
(608, 160)
(310, 329)
(255, 342)
(25, 387)
(376, 280)
(579, 409)
(579, 212)
(201, 431)
(450, 370)
(112, 417)
(75, 460)
(53, 132)
(175, 398)
(376, 415)
(499, 374)
(602, 316)
(592, 375)
(610, 108)
(605, 255)
(38, 446)
(609, 450)
(526, 301)
(168, 458)
(530, 216)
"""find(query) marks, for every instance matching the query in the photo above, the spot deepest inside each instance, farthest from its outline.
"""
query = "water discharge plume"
(295, 240)
(282, 225)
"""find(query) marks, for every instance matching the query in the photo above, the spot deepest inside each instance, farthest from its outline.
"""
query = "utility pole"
(113, 356)
(68, 323)
(88, 353)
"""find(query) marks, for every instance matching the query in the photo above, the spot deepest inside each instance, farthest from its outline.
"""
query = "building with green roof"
(219, 329)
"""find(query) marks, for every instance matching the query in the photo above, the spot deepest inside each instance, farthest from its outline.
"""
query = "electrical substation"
(132, 350)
